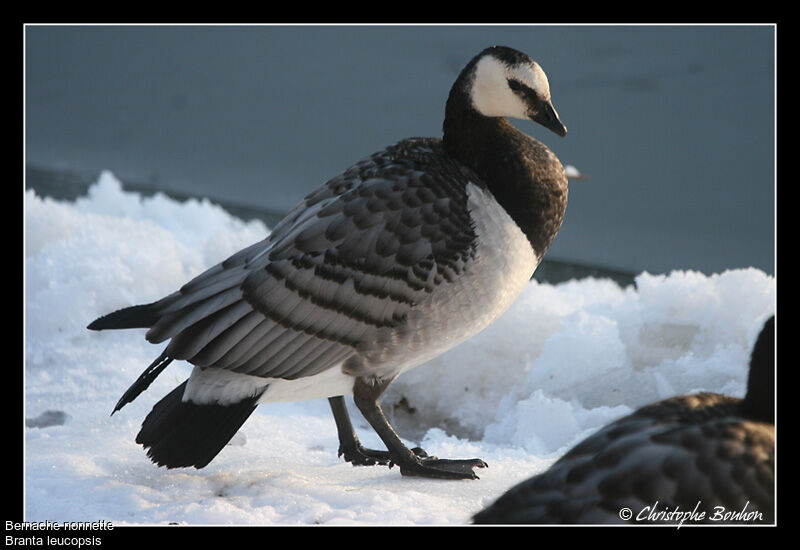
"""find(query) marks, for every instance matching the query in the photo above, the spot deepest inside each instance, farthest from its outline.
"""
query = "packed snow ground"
(564, 360)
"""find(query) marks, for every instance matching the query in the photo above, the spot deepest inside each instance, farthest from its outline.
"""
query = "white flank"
(224, 387)
(502, 267)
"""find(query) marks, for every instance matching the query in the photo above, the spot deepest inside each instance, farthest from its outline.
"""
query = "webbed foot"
(360, 456)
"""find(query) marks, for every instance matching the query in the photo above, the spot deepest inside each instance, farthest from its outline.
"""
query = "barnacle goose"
(402, 256)
(707, 454)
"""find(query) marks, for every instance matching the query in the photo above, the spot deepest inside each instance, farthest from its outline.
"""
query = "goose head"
(503, 82)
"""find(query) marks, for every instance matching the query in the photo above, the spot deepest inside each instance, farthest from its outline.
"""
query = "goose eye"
(515, 85)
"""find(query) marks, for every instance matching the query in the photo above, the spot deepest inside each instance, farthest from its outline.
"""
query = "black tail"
(179, 433)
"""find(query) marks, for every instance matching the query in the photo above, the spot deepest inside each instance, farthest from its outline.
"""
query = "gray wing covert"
(351, 260)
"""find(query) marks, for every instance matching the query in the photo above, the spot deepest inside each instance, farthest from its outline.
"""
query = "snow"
(563, 361)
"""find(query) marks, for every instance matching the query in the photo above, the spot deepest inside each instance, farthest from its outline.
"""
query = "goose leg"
(366, 396)
(350, 447)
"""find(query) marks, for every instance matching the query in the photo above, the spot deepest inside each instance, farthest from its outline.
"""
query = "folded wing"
(351, 260)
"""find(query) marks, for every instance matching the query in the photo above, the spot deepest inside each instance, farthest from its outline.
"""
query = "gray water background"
(674, 125)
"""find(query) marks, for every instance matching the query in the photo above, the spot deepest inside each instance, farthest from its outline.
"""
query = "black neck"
(522, 174)
(759, 403)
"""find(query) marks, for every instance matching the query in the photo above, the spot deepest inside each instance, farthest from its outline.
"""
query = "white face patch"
(491, 95)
